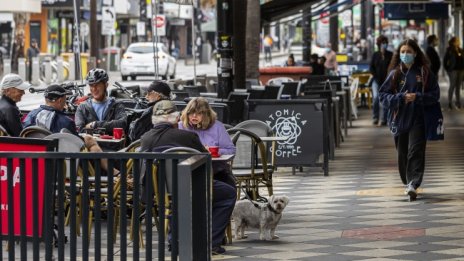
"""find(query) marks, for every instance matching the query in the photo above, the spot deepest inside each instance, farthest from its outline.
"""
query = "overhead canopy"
(277, 9)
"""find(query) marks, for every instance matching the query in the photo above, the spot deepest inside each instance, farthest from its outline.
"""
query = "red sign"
(159, 21)
(14, 147)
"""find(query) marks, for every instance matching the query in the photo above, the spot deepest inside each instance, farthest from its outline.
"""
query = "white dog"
(264, 216)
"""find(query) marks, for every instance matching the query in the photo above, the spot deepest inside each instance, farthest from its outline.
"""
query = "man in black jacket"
(165, 134)
(157, 91)
(100, 111)
(12, 87)
(434, 58)
(51, 115)
(379, 70)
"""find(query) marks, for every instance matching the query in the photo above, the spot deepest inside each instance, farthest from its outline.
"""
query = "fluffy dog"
(264, 216)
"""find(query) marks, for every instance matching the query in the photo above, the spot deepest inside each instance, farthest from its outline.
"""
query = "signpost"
(108, 20)
(160, 22)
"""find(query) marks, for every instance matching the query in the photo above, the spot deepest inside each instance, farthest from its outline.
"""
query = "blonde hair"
(199, 105)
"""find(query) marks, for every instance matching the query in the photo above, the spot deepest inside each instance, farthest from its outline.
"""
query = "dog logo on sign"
(287, 123)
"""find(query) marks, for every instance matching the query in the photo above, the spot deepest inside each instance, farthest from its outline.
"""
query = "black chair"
(237, 106)
(271, 92)
(290, 88)
(180, 105)
(222, 111)
(194, 91)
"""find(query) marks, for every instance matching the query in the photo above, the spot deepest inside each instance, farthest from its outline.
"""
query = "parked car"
(138, 60)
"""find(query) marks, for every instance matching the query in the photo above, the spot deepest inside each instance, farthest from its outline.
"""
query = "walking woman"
(454, 65)
(408, 91)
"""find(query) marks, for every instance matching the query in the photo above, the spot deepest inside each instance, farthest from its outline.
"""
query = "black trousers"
(411, 153)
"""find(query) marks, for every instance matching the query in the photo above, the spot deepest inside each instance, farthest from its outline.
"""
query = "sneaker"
(411, 191)
(218, 250)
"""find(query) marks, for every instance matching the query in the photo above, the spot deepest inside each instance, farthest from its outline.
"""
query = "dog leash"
(256, 204)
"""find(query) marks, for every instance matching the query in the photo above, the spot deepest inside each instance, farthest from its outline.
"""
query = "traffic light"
(143, 9)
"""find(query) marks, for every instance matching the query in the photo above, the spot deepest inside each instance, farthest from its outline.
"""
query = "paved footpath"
(359, 212)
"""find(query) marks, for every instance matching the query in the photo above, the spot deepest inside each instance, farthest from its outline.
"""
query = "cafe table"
(108, 144)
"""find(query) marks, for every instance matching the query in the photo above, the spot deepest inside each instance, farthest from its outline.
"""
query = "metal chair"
(237, 108)
(34, 132)
(279, 80)
(3, 131)
(354, 92)
(250, 174)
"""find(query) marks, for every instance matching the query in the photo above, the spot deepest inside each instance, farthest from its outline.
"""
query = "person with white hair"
(164, 135)
(12, 88)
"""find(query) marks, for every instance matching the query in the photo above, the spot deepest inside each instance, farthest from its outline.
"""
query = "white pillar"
(22, 68)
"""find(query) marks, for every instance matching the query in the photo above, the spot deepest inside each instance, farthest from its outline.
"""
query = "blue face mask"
(407, 58)
(384, 46)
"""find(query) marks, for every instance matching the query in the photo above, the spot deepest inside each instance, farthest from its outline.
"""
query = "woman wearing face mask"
(379, 69)
(409, 88)
(454, 65)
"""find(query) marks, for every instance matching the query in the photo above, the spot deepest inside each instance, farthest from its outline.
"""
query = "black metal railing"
(91, 214)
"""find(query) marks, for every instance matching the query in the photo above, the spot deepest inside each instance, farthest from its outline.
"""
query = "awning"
(277, 9)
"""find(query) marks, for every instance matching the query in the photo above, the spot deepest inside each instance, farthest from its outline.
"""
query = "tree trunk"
(253, 40)
(18, 48)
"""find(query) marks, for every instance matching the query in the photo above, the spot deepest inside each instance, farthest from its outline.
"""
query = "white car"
(139, 61)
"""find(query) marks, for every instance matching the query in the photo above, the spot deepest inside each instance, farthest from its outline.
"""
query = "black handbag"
(433, 118)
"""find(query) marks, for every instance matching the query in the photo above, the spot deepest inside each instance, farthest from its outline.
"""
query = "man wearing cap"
(51, 116)
(164, 135)
(12, 88)
(157, 91)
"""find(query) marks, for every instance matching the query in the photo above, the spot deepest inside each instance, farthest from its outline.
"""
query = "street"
(184, 71)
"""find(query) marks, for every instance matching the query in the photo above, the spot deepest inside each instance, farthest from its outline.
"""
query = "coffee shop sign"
(287, 123)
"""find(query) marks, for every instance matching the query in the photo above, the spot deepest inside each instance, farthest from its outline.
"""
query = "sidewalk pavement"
(359, 212)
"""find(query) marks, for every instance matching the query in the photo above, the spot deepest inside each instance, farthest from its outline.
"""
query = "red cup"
(118, 133)
(214, 150)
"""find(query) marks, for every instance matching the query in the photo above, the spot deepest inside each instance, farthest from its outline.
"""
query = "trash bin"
(115, 55)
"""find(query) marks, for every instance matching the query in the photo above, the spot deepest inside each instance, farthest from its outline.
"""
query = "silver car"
(139, 61)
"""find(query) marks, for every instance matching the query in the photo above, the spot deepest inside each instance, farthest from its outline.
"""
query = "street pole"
(307, 34)
(194, 43)
(225, 48)
(76, 45)
(155, 36)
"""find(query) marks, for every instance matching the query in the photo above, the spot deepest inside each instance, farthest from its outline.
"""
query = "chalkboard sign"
(304, 122)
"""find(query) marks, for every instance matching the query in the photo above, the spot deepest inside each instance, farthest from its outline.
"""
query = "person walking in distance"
(379, 69)
(32, 51)
(408, 91)
(434, 58)
(454, 66)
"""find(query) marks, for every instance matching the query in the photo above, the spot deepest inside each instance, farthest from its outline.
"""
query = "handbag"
(433, 117)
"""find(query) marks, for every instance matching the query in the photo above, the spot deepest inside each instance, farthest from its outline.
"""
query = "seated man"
(12, 89)
(164, 134)
(51, 116)
(157, 91)
(100, 111)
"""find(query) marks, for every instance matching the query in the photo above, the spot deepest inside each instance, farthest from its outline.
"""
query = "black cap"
(160, 87)
(55, 91)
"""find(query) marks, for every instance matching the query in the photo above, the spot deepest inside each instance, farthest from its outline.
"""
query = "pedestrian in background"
(331, 65)
(434, 58)
(409, 89)
(267, 43)
(32, 51)
(379, 69)
(290, 61)
(454, 66)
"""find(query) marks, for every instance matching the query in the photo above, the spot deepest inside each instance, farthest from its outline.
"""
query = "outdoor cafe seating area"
(284, 123)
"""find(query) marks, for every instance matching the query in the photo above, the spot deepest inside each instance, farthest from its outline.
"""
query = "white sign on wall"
(141, 28)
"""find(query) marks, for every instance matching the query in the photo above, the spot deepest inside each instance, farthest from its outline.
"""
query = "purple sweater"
(216, 135)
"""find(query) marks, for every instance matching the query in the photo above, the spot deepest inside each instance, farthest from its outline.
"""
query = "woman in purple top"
(201, 119)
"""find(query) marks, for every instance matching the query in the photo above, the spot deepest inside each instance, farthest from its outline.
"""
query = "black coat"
(434, 59)
(379, 65)
(10, 117)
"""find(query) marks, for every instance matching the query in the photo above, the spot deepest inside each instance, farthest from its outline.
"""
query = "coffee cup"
(118, 133)
(214, 150)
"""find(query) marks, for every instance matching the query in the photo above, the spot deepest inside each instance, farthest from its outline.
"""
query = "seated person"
(51, 116)
(12, 90)
(158, 90)
(290, 61)
(198, 117)
(101, 111)
(165, 133)
(318, 67)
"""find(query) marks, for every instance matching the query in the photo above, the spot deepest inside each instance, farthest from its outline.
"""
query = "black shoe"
(383, 123)
(375, 122)
(218, 250)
